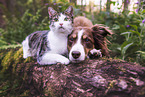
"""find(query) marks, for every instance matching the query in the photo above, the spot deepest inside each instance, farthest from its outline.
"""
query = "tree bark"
(103, 77)
(95, 78)
(108, 5)
(2, 4)
(11, 5)
(126, 3)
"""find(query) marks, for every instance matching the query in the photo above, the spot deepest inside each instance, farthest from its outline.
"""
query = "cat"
(49, 47)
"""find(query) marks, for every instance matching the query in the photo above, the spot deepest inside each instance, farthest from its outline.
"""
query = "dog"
(87, 40)
(50, 47)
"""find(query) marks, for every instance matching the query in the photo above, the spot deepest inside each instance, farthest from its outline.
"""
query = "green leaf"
(143, 11)
(116, 27)
(124, 49)
(124, 33)
(122, 28)
(112, 2)
(142, 53)
(134, 26)
(119, 48)
(136, 32)
(124, 44)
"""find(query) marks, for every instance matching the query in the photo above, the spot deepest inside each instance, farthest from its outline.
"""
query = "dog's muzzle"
(76, 54)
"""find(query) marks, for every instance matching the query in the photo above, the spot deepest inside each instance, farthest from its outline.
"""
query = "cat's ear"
(51, 12)
(69, 11)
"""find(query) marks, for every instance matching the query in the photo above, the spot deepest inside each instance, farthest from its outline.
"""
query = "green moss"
(7, 60)
(111, 59)
(111, 85)
(2, 54)
(10, 46)
(142, 91)
(25, 93)
(18, 58)
(122, 69)
(4, 88)
(49, 92)
(29, 59)
(12, 60)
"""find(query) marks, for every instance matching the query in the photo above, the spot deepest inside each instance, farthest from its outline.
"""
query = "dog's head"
(84, 39)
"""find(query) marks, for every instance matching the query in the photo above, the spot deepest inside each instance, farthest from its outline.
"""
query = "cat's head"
(61, 22)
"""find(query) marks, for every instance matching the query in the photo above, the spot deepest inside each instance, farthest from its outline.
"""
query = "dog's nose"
(60, 24)
(76, 54)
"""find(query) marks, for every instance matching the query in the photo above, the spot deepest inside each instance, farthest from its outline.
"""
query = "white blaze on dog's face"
(79, 44)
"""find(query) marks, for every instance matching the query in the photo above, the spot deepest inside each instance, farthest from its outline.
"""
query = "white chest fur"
(57, 43)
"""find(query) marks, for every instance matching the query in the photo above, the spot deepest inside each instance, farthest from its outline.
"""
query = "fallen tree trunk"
(103, 77)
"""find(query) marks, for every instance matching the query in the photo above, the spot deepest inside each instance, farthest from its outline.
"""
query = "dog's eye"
(88, 43)
(87, 40)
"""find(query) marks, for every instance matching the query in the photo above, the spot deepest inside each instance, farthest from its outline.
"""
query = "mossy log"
(103, 77)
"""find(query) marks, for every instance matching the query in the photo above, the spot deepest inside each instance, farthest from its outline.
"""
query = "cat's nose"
(60, 24)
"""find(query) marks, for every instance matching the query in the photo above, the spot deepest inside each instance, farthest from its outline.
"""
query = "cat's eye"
(66, 19)
(71, 39)
(56, 19)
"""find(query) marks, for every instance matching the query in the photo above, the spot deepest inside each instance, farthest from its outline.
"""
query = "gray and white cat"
(48, 47)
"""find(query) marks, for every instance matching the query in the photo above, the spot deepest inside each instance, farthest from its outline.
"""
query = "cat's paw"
(64, 60)
(49, 59)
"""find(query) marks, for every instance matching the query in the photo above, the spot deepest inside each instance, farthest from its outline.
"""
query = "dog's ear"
(99, 33)
(51, 12)
(104, 31)
(69, 11)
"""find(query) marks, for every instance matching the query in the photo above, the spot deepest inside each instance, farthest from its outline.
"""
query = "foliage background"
(19, 18)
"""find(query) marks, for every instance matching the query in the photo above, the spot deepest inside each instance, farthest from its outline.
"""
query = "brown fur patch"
(81, 21)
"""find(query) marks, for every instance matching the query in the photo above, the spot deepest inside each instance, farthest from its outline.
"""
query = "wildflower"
(127, 1)
(46, 4)
(36, 24)
(137, 10)
(108, 13)
(54, 3)
(60, 6)
(93, 8)
(143, 21)
(127, 26)
(137, 2)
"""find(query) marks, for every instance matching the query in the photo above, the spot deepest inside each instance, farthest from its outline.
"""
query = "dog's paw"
(95, 53)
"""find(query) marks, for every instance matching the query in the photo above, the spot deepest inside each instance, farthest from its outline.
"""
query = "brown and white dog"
(87, 40)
